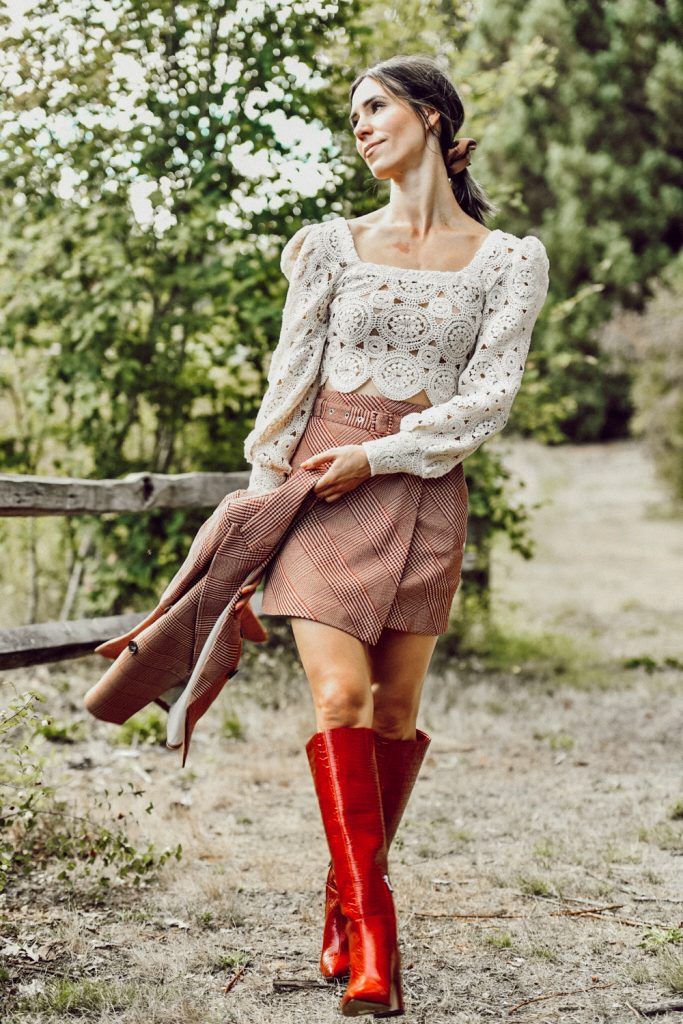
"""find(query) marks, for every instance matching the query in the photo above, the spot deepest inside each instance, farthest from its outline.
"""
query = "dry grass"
(499, 825)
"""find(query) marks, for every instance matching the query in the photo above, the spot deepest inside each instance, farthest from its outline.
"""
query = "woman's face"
(390, 127)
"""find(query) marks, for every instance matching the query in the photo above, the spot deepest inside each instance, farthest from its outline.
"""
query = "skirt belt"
(374, 420)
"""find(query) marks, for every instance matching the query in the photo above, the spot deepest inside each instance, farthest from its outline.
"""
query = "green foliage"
(654, 938)
(140, 291)
(499, 940)
(555, 740)
(60, 732)
(651, 664)
(676, 812)
(545, 953)
(584, 149)
(147, 728)
(534, 886)
(231, 727)
(228, 961)
(497, 646)
(80, 997)
(38, 827)
(492, 510)
(20, 772)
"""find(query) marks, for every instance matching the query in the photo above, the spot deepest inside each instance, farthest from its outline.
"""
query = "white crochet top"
(462, 335)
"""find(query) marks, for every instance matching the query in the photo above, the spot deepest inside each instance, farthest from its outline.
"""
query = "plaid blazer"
(182, 654)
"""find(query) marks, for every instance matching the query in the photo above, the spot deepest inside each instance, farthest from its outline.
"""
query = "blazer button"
(132, 647)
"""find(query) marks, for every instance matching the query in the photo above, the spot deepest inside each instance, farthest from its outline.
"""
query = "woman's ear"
(433, 117)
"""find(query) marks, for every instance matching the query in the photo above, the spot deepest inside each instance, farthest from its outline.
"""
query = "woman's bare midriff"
(369, 388)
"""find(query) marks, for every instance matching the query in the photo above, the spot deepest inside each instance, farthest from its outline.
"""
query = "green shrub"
(38, 828)
(147, 728)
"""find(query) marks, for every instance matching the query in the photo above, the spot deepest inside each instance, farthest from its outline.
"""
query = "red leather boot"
(398, 765)
(344, 769)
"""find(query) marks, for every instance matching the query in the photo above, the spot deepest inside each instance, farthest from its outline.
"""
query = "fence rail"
(45, 642)
(137, 492)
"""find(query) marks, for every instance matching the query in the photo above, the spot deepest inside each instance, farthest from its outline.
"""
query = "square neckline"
(415, 270)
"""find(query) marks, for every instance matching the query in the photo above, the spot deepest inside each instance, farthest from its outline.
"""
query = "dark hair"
(417, 79)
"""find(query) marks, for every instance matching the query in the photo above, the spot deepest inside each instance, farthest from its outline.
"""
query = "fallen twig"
(585, 910)
(554, 995)
(597, 913)
(655, 899)
(656, 1011)
(239, 973)
(594, 912)
(627, 920)
(503, 914)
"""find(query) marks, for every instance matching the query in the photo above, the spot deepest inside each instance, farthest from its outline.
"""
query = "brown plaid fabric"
(169, 647)
(387, 554)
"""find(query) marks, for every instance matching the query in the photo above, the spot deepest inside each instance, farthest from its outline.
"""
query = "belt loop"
(373, 421)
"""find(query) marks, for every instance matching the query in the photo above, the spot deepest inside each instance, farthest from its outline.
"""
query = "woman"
(404, 337)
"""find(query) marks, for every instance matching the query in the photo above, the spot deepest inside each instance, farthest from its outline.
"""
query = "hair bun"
(458, 158)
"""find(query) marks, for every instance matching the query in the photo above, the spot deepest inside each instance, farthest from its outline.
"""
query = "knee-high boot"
(344, 768)
(398, 765)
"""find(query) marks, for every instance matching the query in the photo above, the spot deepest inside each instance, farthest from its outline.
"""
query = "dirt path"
(609, 549)
(540, 797)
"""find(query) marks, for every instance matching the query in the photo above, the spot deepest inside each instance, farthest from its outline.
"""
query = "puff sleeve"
(431, 443)
(309, 266)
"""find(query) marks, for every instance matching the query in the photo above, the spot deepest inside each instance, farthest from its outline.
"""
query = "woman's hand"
(247, 591)
(349, 467)
(251, 626)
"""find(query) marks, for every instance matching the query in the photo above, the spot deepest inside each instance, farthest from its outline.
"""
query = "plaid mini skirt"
(387, 554)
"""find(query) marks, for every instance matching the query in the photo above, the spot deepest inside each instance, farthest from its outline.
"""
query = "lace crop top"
(461, 335)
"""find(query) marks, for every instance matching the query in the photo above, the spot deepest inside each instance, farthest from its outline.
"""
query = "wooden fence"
(138, 492)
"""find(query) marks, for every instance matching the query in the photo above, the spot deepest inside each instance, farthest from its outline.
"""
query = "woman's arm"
(294, 367)
(431, 443)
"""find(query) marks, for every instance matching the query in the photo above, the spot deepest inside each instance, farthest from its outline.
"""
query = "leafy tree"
(142, 339)
(593, 161)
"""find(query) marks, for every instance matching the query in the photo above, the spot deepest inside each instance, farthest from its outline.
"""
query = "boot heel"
(361, 1007)
(370, 996)
(396, 1008)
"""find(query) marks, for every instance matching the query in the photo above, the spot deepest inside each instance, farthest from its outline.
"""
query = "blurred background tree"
(591, 158)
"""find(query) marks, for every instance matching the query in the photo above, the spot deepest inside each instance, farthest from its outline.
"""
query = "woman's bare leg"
(355, 684)
(399, 666)
(339, 673)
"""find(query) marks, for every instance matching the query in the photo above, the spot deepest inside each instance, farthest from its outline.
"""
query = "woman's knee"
(393, 716)
(342, 700)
